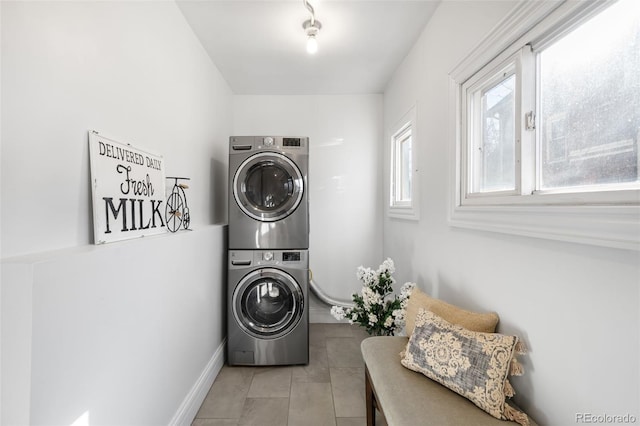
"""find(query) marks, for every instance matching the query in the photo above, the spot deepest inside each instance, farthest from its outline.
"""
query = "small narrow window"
(492, 105)
(403, 201)
(402, 187)
(493, 147)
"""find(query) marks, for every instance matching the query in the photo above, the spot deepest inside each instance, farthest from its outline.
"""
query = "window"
(547, 122)
(492, 137)
(403, 201)
(589, 109)
(402, 165)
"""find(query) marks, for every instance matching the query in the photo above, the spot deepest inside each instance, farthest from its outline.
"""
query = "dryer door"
(268, 303)
(268, 186)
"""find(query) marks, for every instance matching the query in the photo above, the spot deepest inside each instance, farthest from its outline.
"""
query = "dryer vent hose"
(324, 297)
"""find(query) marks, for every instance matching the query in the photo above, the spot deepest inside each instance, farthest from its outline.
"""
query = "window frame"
(597, 216)
(486, 78)
(398, 208)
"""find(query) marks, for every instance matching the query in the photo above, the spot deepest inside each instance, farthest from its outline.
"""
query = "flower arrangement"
(375, 308)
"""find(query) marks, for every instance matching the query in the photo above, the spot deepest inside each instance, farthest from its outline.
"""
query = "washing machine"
(268, 202)
(267, 315)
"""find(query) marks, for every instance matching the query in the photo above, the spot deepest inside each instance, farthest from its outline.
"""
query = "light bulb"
(312, 45)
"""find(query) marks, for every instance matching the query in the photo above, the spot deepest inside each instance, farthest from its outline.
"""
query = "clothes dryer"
(267, 314)
(268, 202)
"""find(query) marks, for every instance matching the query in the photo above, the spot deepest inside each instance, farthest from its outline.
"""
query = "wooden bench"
(407, 398)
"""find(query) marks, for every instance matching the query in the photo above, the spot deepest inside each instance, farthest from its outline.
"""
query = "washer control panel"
(252, 258)
(278, 257)
(268, 141)
(291, 256)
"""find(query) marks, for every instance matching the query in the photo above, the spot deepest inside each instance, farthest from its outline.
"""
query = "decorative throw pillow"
(474, 321)
(472, 364)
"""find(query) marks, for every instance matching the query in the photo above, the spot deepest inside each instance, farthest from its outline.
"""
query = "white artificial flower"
(388, 322)
(371, 278)
(387, 266)
(406, 289)
(370, 297)
(366, 275)
(377, 298)
(338, 312)
(398, 314)
(372, 319)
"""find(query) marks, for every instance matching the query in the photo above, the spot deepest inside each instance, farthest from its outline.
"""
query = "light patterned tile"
(347, 385)
(274, 382)
(265, 412)
(360, 334)
(344, 352)
(316, 371)
(318, 333)
(329, 391)
(311, 374)
(311, 404)
(227, 394)
(351, 421)
(215, 422)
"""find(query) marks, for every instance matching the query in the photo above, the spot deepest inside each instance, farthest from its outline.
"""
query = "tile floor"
(327, 392)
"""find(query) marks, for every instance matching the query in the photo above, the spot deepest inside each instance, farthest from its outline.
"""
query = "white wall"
(108, 334)
(576, 306)
(127, 333)
(133, 70)
(344, 176)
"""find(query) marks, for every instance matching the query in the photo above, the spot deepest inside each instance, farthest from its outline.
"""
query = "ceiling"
(259, 45)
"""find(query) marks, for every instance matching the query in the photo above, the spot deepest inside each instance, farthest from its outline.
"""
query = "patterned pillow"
(474, 321)
(472, 364)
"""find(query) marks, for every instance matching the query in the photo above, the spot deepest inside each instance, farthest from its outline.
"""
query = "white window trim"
(473, 84)
(588, 218)
(410, 210)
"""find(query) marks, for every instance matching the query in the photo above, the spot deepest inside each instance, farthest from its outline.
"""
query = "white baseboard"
(192, 402)
(322, 316)
(319, 312)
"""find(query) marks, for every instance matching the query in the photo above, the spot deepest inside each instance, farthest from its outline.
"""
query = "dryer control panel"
(256, 143)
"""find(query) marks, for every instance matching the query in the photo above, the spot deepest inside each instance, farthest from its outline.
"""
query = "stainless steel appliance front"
(268, 203)
(267, 315)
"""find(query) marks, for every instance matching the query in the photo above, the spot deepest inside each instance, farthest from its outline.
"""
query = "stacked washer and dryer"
(268, 262)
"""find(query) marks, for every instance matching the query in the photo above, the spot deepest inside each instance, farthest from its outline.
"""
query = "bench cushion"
(409, 398)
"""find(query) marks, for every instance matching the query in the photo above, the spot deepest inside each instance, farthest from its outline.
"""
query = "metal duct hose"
(324, 297)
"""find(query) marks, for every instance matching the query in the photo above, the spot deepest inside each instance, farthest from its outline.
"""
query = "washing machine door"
(268, 303)
(268, 186)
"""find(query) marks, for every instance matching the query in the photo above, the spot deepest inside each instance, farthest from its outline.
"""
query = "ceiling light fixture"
(311, 27)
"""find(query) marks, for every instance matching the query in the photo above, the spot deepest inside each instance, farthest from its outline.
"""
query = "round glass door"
(268, 303)
(268, 186)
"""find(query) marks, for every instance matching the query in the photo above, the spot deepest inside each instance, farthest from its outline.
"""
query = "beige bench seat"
(407, 398)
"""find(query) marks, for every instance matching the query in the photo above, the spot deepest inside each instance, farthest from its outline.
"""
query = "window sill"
(606, 226)
(407, 213)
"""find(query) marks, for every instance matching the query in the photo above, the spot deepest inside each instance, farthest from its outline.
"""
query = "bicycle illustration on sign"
(176, 212)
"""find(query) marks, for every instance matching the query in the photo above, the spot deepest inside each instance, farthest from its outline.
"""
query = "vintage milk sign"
(128, 189)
